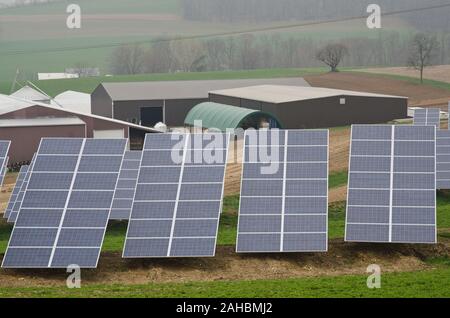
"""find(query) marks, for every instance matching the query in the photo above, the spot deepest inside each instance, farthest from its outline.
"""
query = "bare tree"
(128, 59)
(189, 54)
(332, 55)
(422, 50)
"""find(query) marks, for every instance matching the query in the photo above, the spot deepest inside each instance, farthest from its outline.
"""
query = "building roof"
(220, 116)
(72, 100)
(41, 122)
(284, 94)
(30, 93)
(14, 104)
(167, 90)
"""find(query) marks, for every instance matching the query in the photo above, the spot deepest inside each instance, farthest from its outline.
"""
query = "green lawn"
(338, 179)
(431, 283)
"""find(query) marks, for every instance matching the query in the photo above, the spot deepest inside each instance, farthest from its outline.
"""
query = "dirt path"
(342, 258)
(418, 94)
(437, 72)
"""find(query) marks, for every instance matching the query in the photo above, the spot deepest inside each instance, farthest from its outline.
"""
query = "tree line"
(262, 11)
(249, 51)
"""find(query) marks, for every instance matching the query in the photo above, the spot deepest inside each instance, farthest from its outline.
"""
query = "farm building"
(148, 103)
(222, 117)
(26, 122)
(71, 100)
(314, 107)
(29, 93)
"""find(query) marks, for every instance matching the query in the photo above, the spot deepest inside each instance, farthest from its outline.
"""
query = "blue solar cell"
(90, 199)
(201, 191)
(258, 243)
(95, 181)
(292, 201)
(150, 228)
(26, 257)
(403, 194)
(99, 164)
(139, 248)
(48, 181)
(85, 218)
(30, 237)
(83, 257)
(61, 146)
(48, 163)
(69, 237)
(177, 195)
(374, 132)
(104, 147)
(195, 228)
(159, 175)
(259, 224)
(39, 218)
(55, 227)
(155, 192)
(153, 210)
(45, 199)
(263, 171)
(192, 247)
(162, 158)
(305, 242)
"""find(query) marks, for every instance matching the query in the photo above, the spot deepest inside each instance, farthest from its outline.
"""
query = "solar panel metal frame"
(4, 171)
(54, 247)
(392, 188)
(4, 158)
(12, 200)
(116, 213)
(427, 117)
(18, 203)
(443, 160)
(179, 185)
(282, 232)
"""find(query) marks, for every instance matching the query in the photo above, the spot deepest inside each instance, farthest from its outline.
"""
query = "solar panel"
(4, 171)
(16, 207)
(427, 117)
(66, 206)
(392, 184)
(284, 192)
(4, 148)
(443, 159)
(123, 197)
(16, 190)
(178, 197)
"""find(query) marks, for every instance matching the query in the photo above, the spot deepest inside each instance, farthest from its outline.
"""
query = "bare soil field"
(419, 95)
(341, 259)
(437, 72)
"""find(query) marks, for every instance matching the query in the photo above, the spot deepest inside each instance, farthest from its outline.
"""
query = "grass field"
(431, 283)
(99, 6)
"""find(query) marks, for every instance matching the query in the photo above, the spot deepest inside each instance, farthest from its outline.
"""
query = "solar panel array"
(178, 197)
(4, 171)
(123, 198)
(443, 159)
(284, 192)
(4, 148)
(16, 190)
(427, 117)
(16, 208)
(392, 184)
(65, 210)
